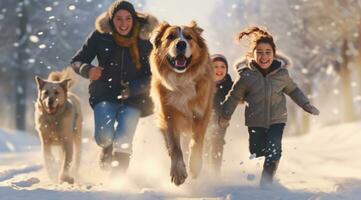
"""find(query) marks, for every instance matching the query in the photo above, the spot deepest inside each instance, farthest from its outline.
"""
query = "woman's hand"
(124, 94)
(95, 73)
(311, 109)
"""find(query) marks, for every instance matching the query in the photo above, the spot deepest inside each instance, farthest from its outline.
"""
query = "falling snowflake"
(304, 71)
(125, 146)
(48, 9)
(114, 163)
(85, 140)
(34, 38)
(20, 90)
(71, 7)
(10, 146)
(42, 46)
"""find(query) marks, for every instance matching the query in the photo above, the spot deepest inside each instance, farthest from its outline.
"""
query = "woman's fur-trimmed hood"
(147, 24)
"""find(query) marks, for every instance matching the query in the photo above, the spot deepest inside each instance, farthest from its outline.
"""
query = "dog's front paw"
(66, 178)
(178, 172)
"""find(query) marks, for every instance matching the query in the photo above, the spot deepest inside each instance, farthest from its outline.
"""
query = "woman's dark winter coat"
(119, 69)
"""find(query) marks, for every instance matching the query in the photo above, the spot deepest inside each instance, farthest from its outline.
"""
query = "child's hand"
(222, 122)
(311, 109)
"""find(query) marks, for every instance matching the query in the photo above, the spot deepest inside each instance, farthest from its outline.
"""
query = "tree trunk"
(20, 71)
(357, 62)
(346, 87)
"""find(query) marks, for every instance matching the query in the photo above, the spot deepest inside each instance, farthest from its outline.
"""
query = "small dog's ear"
(158, 33)
(196, 28)
(39, 82)
(65, 84)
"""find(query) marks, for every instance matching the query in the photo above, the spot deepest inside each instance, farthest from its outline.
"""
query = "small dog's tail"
(67, 73)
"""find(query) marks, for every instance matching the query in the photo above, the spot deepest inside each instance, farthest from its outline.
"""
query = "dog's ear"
(158, 33)
(198, 31)
(39, 82)
(196, 28)
(65, 84)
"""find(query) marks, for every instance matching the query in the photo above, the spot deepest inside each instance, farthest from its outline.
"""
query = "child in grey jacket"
(262, 84)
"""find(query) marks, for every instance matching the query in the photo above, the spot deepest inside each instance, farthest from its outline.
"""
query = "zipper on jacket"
(121, 72)
(268, 101)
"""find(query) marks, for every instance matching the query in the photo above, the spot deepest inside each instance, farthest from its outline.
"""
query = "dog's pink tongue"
(181, 62)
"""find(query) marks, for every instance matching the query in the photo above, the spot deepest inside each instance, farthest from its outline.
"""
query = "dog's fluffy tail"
(67, 73)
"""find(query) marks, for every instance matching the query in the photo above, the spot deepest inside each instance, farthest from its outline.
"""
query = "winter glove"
(222, 122)
(311, 109)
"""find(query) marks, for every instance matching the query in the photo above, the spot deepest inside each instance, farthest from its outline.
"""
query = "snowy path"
(321, 165)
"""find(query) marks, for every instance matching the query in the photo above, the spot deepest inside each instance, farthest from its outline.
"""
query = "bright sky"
(183, 12)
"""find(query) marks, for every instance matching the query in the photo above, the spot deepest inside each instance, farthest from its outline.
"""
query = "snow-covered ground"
(324, 164)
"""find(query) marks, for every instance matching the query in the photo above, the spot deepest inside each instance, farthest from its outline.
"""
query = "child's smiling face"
(263, 55)
(220, 70)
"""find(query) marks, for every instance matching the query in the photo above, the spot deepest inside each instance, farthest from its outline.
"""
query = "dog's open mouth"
(51, 110)
(179, 63)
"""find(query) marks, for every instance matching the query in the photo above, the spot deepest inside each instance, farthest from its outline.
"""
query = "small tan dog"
(182, 89)
(58, 120)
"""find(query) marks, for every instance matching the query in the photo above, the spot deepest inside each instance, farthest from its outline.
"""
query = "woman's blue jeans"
(115, 124)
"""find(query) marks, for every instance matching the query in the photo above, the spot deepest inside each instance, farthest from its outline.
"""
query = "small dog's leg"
(49, 161)
(178, 170)
(77, 147)
(64, 175)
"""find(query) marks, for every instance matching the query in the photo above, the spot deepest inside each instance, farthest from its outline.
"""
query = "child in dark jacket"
(262, 84)
(215, 134)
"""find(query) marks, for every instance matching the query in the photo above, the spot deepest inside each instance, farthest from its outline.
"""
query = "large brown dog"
(58, 120)
(182, 90)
